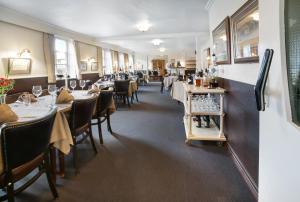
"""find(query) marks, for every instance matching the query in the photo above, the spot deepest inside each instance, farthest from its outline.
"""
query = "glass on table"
(52, 89)
(73, 84)
(82, 84)
(37, 91)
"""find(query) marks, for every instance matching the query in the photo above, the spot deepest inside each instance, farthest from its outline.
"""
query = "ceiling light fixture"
(162, 49)
(144, 26)
(156, 42)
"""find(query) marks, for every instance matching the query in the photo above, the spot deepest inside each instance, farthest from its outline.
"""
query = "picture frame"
(19, 66)
(222, 42)
(245, 33)
(94, 66)
(83, 66)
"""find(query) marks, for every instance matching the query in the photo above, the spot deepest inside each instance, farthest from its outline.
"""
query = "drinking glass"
(82, 84)
(27, 99)
(52, 89)
(37, 91)
(73, 84)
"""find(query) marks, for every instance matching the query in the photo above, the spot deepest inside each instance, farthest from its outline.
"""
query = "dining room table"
(168, 81)
(61, 138)
(133, 86)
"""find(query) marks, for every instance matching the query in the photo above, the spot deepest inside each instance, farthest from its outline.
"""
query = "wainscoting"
(25, 84)
(241, 127)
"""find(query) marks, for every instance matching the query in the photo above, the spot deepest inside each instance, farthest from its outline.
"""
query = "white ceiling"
(176, 22)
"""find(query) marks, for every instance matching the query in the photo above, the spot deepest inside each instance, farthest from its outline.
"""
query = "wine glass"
(37, 91)
(52, 89)
(73, 84)
(82, 84)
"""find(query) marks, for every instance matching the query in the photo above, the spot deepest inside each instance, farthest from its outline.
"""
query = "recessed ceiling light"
(156, 42)
(144, 26)
(162, 49)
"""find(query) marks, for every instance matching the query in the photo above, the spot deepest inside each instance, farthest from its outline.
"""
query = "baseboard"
(245, 174)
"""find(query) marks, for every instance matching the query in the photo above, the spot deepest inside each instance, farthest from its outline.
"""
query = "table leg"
(53, 163)
(61, 164)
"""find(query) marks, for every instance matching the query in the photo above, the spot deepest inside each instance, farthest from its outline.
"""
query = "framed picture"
(19, 66)
(245, 33)
(94, 66)
(221, 42)
(83, 66)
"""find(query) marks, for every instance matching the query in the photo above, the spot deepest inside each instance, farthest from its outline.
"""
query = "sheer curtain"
(121, 61)
(130, 62)
(108, 62)
(73, 69)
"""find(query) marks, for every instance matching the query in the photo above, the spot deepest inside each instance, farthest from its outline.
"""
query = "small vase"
(2, 98)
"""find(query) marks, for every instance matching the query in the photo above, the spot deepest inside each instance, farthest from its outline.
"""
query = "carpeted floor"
(147, 160)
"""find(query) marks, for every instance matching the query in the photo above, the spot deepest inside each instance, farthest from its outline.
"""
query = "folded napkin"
(6, 114)
(64, 97)
(94, 89)
(64, 88)
(23, 97)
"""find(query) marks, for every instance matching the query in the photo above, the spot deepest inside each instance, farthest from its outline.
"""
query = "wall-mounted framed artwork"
(83, 66)
(19, 66)
(221, 42)
(94, 66)
(245, 33)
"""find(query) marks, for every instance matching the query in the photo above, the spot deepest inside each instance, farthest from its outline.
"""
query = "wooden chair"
(102, 112)
(25, 147)
(121, 91)
(80, 124)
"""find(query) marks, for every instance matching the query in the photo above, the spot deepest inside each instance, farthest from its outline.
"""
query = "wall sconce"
(91, 60)
(26, 53)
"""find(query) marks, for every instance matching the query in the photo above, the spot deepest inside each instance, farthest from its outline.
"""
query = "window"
(61, 56)
(130, 62)
(292, 28)
(121, 61)
(65, 58)
(107, 62)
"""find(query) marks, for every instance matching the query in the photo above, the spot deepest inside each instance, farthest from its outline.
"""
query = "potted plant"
(5, 86)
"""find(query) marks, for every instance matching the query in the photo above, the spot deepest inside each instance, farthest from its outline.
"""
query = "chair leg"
(108, 123)
(10, 192)
(49, 177)
(136, 96)
(75, 158)
(100, 131)
(92, 139)
(128, 101)
(132, 97)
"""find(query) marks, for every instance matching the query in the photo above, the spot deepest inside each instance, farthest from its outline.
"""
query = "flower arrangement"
(6, 85)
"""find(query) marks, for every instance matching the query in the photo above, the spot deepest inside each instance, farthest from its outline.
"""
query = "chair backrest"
(82, 112)
(104, 101)
(140, 75)
(122, 85)
(23, 142)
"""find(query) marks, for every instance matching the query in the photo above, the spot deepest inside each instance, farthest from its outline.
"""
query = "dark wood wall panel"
(25, 84)
(241, 127)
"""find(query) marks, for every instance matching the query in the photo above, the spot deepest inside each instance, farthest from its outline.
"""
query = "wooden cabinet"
(160, 66)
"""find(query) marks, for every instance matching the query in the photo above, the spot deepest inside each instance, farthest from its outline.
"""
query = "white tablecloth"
(61, 137)
(169, 80)
(177, 91)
